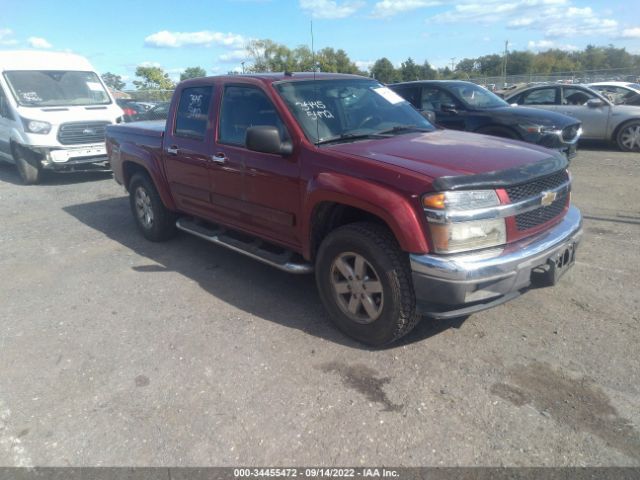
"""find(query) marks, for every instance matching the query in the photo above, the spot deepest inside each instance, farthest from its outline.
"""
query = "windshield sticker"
(94, 86)
(389, 95)
(30, 97)
(315, 109)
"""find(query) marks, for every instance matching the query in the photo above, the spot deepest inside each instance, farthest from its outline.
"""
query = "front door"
(449, 112)
(594, 119)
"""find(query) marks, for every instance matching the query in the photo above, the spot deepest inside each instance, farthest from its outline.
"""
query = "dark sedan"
(466, 106)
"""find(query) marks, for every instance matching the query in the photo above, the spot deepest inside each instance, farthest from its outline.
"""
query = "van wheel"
(364, 280)
(628, 137)
(154, 220)
(28, 166)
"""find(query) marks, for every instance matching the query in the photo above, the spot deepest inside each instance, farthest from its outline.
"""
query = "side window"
(5, 111)
(575, 96)
(541, 96)
(244, 107)
(434, 98)
(410, 94)
(192, 118)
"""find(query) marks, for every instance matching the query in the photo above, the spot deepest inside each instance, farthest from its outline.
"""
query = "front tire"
(628, 137)
(364, 280)
(154, 220)
(28, 166)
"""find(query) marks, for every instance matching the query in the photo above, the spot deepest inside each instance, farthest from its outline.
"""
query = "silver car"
(601, 119)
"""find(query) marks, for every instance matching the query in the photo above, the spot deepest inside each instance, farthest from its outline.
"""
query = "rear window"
(192, 118)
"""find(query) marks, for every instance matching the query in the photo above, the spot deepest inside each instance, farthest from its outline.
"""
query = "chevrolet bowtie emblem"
(548, 198)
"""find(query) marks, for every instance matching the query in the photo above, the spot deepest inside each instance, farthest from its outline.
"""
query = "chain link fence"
(584, 76)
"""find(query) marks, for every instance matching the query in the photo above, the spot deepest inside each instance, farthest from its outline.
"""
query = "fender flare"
(393, 208)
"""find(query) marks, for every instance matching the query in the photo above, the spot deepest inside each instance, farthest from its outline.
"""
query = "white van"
(53, 112)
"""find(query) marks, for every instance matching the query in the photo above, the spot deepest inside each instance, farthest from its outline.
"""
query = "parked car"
(53, 111)
(158, 112)
(466, 106)
(619, 93)
(133, 111)
(338, 174)
(601, 119)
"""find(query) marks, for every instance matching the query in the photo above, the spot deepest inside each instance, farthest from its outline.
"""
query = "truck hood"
(447, 153)
(517, 115)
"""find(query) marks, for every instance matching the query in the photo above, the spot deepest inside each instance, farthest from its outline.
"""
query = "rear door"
(595, 119)
(188, 146)
(270, 200)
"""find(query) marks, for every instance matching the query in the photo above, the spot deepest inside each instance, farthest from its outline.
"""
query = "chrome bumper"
(456, 285)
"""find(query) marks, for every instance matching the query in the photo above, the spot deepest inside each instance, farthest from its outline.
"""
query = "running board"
(255, 248)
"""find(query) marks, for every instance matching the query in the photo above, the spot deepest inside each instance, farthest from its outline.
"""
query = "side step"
(252, 247)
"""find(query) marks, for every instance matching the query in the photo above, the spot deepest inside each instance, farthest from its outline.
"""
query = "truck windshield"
(56, 88)
(351, 109)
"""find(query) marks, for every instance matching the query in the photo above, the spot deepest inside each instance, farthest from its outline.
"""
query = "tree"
(193, 72)
(410, 71)
(113, 81)
(153, 78)
(384, 72)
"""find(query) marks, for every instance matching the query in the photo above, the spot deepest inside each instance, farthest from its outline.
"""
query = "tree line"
(269, 56)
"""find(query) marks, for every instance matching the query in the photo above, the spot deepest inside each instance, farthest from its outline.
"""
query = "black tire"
(496, 131)
(396, 301)
(154, 220)
(628, 136)
(28, 165)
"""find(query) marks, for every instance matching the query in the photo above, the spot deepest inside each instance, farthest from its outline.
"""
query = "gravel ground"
(117, 351)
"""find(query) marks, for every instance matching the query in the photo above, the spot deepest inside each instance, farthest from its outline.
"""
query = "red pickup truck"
(339, 175)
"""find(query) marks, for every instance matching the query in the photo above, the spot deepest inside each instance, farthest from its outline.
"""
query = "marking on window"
(194, 109)
(94, 86)
(315, 109)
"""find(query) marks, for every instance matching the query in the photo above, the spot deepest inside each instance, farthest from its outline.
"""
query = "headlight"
(36, 126)
(533, 128)
(453, 237)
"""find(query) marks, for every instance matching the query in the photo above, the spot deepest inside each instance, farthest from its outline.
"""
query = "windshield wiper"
(404, 128)
(347, 137)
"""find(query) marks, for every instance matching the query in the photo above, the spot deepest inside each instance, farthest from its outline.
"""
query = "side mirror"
(594, 103)
(448, 107)
(266, 139)
(429, 115)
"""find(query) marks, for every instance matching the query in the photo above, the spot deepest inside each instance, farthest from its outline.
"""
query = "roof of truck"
(270, 77)
(39, 60)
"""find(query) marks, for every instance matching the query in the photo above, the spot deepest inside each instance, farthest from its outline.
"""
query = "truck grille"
(81, 132)
(536, 217)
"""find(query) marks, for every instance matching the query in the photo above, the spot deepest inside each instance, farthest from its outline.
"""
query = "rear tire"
(628, 137)
(28, 165)
(364, 280)
(154, 220)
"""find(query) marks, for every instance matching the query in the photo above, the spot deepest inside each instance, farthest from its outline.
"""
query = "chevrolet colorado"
(339, 175)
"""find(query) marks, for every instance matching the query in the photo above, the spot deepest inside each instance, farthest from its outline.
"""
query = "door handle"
(219, 158)
(172, 150)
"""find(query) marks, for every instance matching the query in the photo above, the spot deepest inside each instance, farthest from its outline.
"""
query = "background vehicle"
(338, 174)
(466, 106)
(619, 93)
(601, 119)
(158, 112)
(53, 112)
(132, 110)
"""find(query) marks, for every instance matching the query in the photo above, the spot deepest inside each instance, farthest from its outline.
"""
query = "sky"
(117, 36)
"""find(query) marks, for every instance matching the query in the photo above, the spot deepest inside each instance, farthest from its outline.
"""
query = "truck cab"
(54, 109)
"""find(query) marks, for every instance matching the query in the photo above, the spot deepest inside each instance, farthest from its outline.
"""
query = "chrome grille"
(541, 215)
(81, 132)
(520, 192)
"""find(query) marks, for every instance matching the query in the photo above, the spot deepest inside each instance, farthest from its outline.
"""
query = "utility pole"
(453, 61)
(504, 63)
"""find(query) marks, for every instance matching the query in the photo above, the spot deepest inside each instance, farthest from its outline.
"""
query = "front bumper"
(75, 158)
(448, 286)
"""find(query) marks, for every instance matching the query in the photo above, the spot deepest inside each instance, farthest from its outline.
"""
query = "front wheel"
(28, 165)
(364, 280)
(154, 220)
(628, 138)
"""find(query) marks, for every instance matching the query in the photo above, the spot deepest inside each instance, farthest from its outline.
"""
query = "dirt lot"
(117, 351)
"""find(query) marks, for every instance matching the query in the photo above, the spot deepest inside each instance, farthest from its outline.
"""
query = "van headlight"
(36, 126)
(451, 236)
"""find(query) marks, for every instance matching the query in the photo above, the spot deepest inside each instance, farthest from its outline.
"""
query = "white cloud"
(631, 33)
(364, 64)
(554, 18)
(389, 8)
(5, 37)
(38, 42)
(149, 64)
(205, 38)
(549, 44)
(234, 56)
(331, 8)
